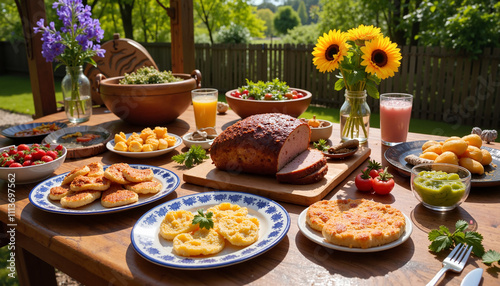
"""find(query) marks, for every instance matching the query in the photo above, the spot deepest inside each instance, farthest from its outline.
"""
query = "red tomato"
(251, 98)
(268, 96)
(47, 145)
(245, 92)
(294, 92)
(236, 94)
(28, 157)
(375, 168)
(7, 162)
(384, 183)
(58, 147)
(289, 95)
(52, 154)
(15, 165)
(5, 155)
(38, 154)
(27, 163)
(23, 147)
(363, 181)
(47, 159)
(12, 151)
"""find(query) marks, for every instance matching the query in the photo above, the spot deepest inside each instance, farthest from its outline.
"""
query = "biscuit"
(83, 183)
(177, 222)
(239, 230)
(59, 192)
(366, 224)
(74, 173)
(79, 199)
(137, 176)
(96, 169)
(114, 173)
(152, 187)
(226, 209)
(116, 196)
(201, 242)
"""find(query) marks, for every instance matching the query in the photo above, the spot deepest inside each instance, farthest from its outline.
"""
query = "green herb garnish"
(204, 220)
(442, 239)
(194, 156)
(321, 145)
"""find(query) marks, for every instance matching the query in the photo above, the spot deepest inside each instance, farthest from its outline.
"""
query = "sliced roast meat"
(304, 164)
(309, 179)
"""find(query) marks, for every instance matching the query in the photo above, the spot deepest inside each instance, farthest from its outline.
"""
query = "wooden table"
(97, 250)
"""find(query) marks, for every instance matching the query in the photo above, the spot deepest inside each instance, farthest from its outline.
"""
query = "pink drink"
(395, 113)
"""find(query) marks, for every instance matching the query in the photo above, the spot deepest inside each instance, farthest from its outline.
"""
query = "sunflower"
(381, 57)
(330, 50)
(363, 33)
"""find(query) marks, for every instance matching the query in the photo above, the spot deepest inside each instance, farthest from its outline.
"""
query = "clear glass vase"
(76, 92)
(355, 117)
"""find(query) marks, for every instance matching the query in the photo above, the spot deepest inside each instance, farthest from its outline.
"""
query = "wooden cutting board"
(208, 176)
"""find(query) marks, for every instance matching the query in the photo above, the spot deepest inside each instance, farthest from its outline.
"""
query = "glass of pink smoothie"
(395, 113)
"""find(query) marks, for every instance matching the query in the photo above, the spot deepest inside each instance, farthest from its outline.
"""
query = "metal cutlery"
(454, 261)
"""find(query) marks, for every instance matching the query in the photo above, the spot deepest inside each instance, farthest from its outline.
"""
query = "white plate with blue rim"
(274, 225)
(111, 147)
(39, 196)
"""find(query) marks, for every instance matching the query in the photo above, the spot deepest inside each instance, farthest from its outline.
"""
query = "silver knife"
(473, 278)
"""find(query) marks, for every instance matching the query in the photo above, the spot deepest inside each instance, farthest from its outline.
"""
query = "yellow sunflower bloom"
(381, 57)
(363, 33)
(330, 50)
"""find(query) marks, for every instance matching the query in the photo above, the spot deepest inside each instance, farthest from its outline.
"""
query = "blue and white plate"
(274, 225)
(111, 147)
(39, 196)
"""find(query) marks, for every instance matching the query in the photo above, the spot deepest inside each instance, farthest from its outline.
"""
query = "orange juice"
(205, 109)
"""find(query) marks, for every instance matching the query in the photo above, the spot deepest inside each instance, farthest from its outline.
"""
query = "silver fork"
(455, 261)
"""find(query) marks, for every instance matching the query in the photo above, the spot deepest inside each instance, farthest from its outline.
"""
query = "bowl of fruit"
(439, 186)
(30, 163)
(268, 97)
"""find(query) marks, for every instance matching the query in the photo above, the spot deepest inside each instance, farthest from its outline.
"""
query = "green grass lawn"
(16, 96)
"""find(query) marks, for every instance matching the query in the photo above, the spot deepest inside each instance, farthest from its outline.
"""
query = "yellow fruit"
(448, 158)
(457, 146)
(474, 153)
(436, 148)
(486, 157)
(472, 165)
(474, 140)
(429, 155)
(429, 144)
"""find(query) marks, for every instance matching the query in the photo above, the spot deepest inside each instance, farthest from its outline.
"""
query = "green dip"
(439, 188)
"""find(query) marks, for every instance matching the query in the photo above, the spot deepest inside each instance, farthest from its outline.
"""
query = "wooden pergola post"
(182, 34)
(41, 72)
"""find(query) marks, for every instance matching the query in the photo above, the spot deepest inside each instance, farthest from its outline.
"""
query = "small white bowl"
(204, 144)
(323, 132)
(31, 174)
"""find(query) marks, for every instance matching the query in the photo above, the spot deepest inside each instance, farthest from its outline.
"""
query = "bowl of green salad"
(268, 97)
(439, 186)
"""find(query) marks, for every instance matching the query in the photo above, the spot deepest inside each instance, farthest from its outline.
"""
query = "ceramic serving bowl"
(205, 144)
(148, 104)
(31, 174)
(440, 187)
(248, 107)
(324, 131)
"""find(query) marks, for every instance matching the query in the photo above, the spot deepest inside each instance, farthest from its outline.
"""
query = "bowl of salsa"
(440, 187)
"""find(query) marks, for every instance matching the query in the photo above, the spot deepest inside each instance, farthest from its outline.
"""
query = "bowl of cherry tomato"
(30, 163)
(268, 97)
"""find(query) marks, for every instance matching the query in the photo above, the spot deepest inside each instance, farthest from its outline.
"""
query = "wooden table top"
(96, 249)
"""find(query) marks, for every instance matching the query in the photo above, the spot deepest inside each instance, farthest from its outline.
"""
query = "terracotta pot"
(148, 104)
(247, 107)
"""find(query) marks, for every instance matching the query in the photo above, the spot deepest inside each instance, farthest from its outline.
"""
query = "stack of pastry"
(119, 185)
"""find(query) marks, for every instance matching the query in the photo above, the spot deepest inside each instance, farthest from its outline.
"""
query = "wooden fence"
(446, 86)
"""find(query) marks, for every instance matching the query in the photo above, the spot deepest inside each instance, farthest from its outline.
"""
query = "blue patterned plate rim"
(11, 131)
(395, 156)
(274, 225)
(39, 195)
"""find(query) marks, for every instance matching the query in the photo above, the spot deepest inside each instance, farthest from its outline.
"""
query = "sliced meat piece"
(304, 164)
(309, 179)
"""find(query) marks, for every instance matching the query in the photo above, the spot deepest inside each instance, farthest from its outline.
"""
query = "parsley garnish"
(442, 239)
(321, 145)
(194, 156)
(205, 221)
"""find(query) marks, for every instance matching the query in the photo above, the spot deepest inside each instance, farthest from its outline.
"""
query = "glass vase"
(355, 117)
(76, 92)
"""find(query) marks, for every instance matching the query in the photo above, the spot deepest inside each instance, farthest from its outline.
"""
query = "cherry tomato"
(384, 183)
(23, 147)
(58, 147)
(251, 98)
(294, 92)
(12, 151)
(245, 92)
(47, 145)
(289, 95)
(268, 96)
(363, 181)
(375, 168)
(8, 162)
(20, 154)
(5, 155)
(27, 163)
(28, 157)
(52, 154)
(236, 94)
(35, 145)
(38, 154)
(47, 159)
(15, 165)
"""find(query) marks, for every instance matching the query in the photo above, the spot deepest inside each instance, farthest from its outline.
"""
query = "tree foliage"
(306, 34)
(304, 18)
(267, 16)
(233, 34)
(285, 19)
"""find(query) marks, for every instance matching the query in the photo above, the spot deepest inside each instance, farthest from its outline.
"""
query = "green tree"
(233, 34)
(285, 19)
(11, 28)
(304, 18)
(306, 34)
(126, 7)
(314, 13)
(267, 16)
(246, 15)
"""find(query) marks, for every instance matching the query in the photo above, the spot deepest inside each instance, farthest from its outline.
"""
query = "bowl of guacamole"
(440, 187)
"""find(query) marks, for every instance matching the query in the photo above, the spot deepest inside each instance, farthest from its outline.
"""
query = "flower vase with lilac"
(364, 57)
(73, 45)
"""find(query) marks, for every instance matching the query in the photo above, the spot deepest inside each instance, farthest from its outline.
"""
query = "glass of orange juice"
(205, 106)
